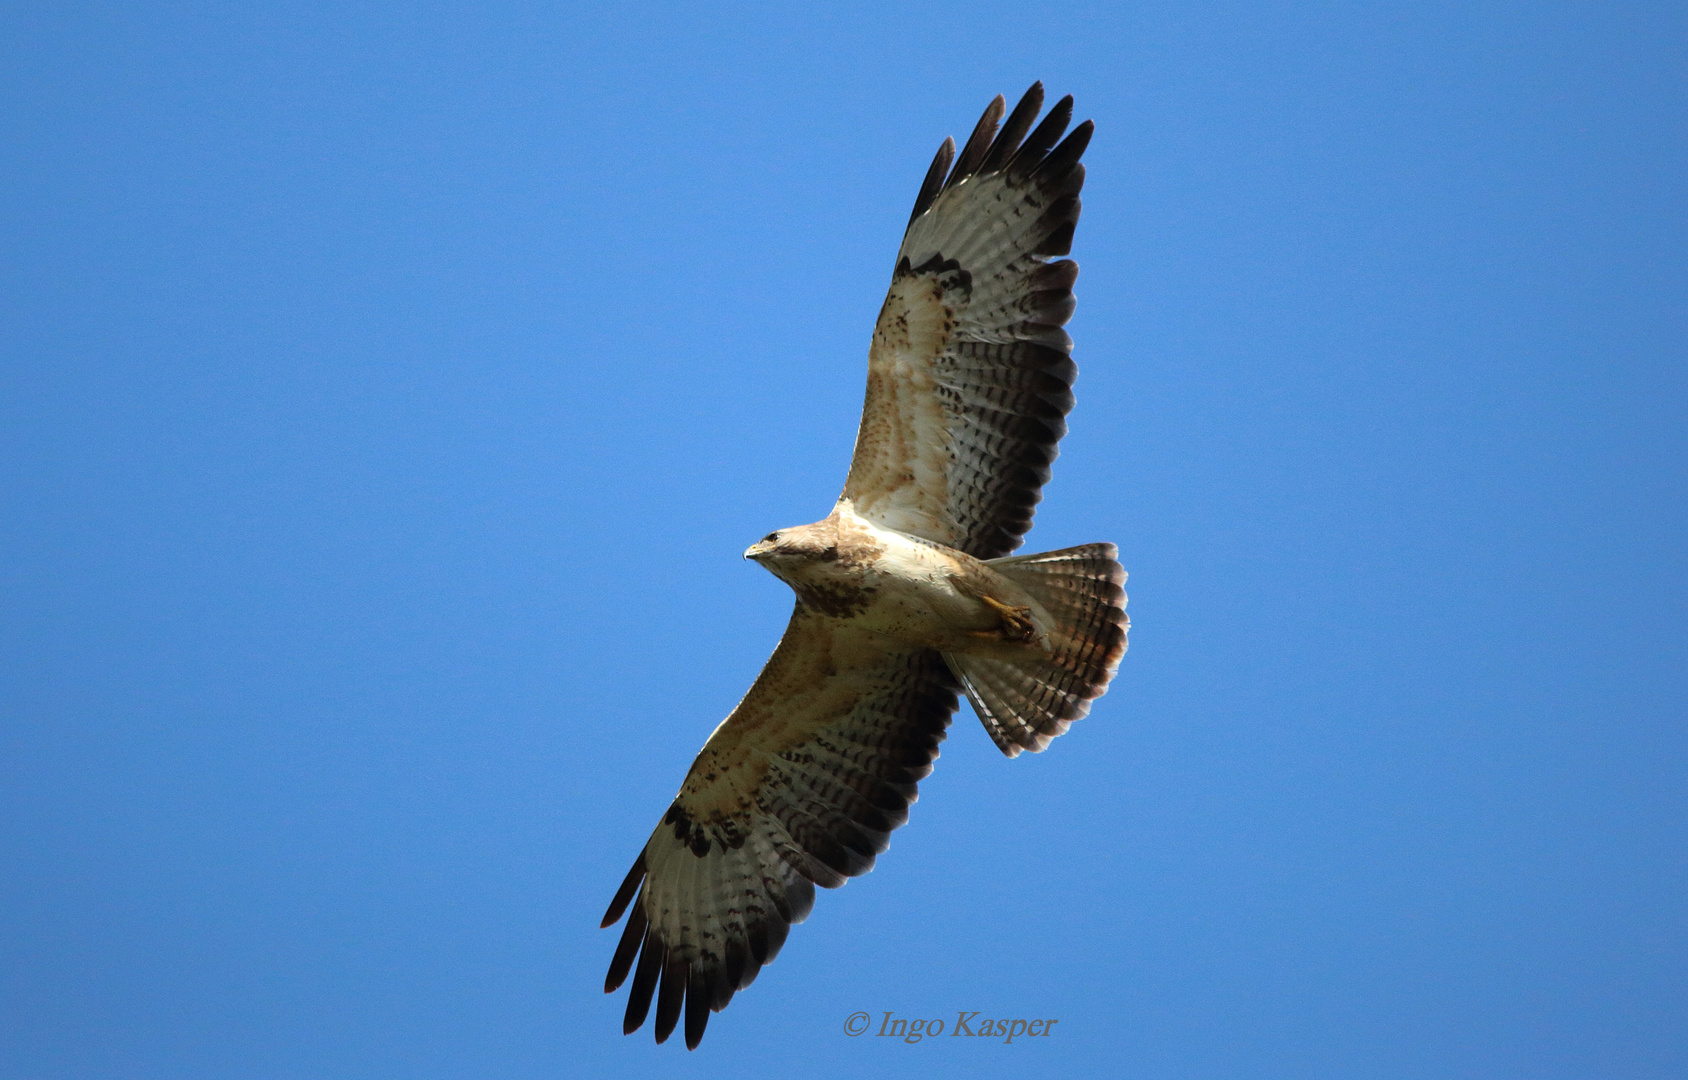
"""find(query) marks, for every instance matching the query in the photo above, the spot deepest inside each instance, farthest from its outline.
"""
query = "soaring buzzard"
(906, 592)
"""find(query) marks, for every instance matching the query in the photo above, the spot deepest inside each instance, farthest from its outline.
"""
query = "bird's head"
(786, 550)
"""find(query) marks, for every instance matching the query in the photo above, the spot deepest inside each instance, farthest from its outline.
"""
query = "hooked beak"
(758, 551)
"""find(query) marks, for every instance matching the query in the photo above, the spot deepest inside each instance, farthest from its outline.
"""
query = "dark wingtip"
(1059, 242)
(624, 895)
(697, 1008)
(670, 997)
(644, 984)
(1031, 154)
(934, 182)
(979, 143)
(628, 947)
(1071, 149)
(1014, 129)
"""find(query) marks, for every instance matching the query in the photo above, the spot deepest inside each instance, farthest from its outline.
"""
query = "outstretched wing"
(969, 375)
(800, 786)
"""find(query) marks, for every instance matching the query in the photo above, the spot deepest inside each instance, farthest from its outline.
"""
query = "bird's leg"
(1016, 621)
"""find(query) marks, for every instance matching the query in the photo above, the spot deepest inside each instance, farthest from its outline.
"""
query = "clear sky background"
(388, 392)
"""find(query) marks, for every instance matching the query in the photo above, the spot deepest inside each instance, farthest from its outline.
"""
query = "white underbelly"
(918, 596)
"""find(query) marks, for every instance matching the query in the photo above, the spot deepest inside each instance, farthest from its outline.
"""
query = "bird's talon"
(1017, 622)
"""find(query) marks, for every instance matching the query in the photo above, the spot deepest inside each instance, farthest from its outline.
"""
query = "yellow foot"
(1016, 621)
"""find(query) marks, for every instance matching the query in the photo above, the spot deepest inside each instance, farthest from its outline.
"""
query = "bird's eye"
(770, 538)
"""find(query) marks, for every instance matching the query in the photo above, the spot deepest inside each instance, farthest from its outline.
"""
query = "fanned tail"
(1026, 702)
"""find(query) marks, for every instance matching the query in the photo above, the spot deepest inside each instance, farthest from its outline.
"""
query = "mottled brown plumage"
(906, 595)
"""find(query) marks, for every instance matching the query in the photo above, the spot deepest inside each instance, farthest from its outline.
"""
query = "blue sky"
(388, 391)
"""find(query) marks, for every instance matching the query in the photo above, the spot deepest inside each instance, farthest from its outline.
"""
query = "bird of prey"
(906, 593)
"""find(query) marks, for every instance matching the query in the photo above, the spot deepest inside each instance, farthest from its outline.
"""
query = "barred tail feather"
(1025, 703)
